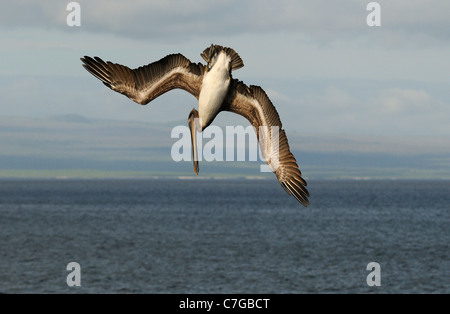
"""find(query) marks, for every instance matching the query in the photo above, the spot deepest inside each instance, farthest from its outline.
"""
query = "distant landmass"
(73, 146)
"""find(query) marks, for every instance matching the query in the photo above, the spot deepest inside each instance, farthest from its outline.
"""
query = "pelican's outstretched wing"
(252, 103)
(145, 83)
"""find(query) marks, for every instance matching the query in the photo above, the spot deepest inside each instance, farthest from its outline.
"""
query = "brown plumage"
(175, 71)
(239, 101)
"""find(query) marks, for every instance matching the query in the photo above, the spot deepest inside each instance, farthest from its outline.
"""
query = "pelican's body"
(215, 86)
(216, 91)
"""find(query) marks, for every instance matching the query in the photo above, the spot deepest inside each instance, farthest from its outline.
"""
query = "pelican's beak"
(211, 52)
(193, 127)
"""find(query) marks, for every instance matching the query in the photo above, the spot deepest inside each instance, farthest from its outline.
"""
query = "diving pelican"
(216, 91)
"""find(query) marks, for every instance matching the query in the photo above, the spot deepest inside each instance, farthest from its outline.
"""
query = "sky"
(323, 67)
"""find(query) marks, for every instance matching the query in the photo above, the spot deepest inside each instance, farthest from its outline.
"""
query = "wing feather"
(236, 61)
(145, 83)
(252, 103)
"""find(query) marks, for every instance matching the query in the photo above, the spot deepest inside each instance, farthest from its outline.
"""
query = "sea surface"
(223, 236)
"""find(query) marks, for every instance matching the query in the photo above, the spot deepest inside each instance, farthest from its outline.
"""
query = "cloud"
(404, 21)
(392, 111)
(411, 111)
(317, 60)
(397, 101)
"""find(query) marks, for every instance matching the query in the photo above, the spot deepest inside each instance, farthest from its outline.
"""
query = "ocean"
(223, 236)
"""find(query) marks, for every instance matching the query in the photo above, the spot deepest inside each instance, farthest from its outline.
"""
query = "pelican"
(215, 89)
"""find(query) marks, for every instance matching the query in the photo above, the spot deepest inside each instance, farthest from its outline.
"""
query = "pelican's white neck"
(214, 89)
